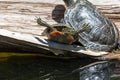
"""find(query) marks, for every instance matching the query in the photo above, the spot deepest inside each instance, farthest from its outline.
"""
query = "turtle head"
(42, 23)
(71, 2)
(68, 2)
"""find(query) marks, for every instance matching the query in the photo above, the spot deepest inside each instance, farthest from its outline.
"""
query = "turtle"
(60, 32)
(103, 35)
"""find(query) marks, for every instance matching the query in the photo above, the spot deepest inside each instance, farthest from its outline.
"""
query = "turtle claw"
(85, 27)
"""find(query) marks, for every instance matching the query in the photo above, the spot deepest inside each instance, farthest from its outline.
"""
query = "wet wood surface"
(19, 15)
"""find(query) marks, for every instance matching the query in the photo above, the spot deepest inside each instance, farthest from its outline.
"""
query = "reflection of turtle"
(61, 33)
(102, 34)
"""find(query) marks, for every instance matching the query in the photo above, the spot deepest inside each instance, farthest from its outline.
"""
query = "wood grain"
(20, 16)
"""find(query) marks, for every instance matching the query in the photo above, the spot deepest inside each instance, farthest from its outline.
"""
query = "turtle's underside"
(102, 35)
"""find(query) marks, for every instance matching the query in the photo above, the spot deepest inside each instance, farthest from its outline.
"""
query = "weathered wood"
(19, 15)
(39, 42)
(111, 56)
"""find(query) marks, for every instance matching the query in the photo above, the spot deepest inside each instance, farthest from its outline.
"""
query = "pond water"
(41, 68)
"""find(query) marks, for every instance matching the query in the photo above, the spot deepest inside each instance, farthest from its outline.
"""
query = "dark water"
(41, 68)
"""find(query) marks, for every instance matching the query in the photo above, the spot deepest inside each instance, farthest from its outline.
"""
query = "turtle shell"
(102, 35)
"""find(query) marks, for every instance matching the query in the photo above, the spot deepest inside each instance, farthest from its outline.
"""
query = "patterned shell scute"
(102, 35)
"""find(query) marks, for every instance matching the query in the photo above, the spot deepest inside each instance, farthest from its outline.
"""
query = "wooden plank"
(19, 16)
(96, 2)
(40, 42)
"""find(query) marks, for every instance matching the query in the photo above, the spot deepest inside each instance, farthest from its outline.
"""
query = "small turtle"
(61, 33)
(103, 35)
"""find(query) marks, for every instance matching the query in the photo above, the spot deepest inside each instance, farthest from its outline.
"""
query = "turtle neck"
(68, 2)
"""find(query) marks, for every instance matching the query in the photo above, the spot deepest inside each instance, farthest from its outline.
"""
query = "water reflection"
(38, 68)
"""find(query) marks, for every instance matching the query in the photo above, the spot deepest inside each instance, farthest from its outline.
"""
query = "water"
(115, 78)
(41, 68)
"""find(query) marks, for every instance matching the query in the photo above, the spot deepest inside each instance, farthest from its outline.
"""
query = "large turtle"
(102, 35)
